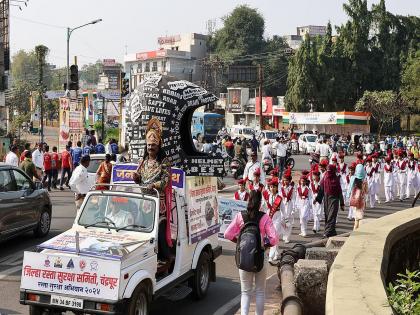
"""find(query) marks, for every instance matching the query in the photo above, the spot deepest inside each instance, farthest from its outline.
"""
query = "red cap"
(324, 163)
(257, 172)
(334, 159)
(303, 177)
(332, 168)
(359, 156)
(305, 173)
(341, 155)
(375, 155)
(275, 171)
(241, 181)
(369, 158)
(315, 168)
(353, 165)
(287, 174)
(400, 152)
(388, 159)
(274, 181)
(317, 173)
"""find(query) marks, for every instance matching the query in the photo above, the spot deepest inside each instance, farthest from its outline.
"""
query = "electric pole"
(260, 81)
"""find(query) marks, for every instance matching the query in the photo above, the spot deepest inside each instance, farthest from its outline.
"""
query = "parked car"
(307, 143)
(24, 205)
(268, 135)
(239, 131)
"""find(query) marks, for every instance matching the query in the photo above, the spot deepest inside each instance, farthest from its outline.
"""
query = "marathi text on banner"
(228, 209)
(71, 122)
(73, 275)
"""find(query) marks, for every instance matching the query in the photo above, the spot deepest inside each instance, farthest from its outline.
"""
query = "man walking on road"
(66, 164)
(47, 168)
(77, 154)
(79, 181)
(38, 159)
(54, 167)
(251, 167)
(29, 167)
(281, 156)
(11, 157)
(324, 151)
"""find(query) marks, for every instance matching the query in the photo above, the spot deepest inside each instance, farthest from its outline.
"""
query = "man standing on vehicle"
(79, 181)
(251, 167)
(281, 155)
(38, 159)
(324, 150)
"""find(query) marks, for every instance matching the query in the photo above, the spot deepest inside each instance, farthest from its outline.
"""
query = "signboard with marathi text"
(150, 54)
(72, 275)
(203, 214)
(228, 209)
(71, 122)
(319, 118)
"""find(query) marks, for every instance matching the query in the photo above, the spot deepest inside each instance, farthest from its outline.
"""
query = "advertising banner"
(203, 214)
(316, 118)
(71, 122)
(267, 106)
(77, 276)
(92, 243)
(234, 101)
(123, 174)
(228, 208)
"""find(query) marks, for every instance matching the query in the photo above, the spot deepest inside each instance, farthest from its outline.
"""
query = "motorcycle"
(314, 158)
(267, 164)
(237, 168)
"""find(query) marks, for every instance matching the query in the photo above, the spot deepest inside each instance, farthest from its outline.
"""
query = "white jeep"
(107, 262)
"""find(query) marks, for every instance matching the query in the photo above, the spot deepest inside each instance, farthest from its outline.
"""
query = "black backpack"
(249, 254)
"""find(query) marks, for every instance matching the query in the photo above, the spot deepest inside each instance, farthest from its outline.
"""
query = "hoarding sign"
(278, 110)
(234, 101)
(71, 122)
(169, 39)
(267, 106)
(108, 62)
(316, 118)
(71, 275)
(203, 214)
(150, 54)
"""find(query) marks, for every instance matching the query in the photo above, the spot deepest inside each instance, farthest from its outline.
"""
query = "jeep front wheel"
(140, 301)
(201, 280)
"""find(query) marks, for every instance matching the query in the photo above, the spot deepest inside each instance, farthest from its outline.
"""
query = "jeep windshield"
(119, 212)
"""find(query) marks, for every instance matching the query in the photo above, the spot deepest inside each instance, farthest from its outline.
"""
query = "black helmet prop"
(173, 103)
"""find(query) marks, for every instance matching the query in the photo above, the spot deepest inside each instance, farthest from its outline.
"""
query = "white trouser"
(402, 184)
(303, 225)
(247, 279)
(351, 213)
(317, 225)
(411, 186)
(388, 193)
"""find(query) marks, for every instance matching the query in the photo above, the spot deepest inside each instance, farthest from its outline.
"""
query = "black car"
(24, 205)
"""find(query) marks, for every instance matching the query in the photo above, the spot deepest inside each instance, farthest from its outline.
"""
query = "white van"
(239, 131)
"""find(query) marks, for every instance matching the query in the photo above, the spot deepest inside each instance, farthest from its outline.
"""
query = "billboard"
(267, 106)
(234, 101)
(71, 122)
(150, 54)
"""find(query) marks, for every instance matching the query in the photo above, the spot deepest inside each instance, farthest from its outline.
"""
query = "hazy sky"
(136, 24)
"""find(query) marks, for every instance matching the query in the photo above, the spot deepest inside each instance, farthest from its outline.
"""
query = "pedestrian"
(412, 176)
(241, 194)
(88, 149)
(108, 149)
(54, 167)
(357, 193)
(377, 166)
(104, 172)
(323, 168)
(38, 159)
(333, 199)
(85, 138)
(79, 182)
(256, 183)
(304, 204)
(93, 138)
(100, 148)
(66, 166)
(388, 179)
(370, 177)
(114, 147)
(77, 154)
(47, 168)
(288, 195)
(316, 208)
(268, 237)
(281, 155)
(251, 167)
(254, 143)
(12, 157)
(27, 147)
(324, 151)
(352, 168)
(401, 166)
(342, 171)
(29, 167)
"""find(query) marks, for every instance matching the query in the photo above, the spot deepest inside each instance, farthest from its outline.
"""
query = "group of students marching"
(283, 200)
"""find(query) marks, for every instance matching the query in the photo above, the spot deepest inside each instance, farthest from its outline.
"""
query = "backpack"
(249, 255)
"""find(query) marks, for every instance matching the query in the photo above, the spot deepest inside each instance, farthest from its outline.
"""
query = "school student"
(303, 204)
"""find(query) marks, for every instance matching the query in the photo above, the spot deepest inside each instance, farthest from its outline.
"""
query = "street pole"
(121, 105)
(260, 79)
(103, 119)
(68, 58)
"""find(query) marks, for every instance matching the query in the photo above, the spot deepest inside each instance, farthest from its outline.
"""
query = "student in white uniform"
(396, 185)
(370, 171)
(377, 175)
(388, 179)
(303, 204)
(401, 166)
(287, 193)
(352, 167)
(342, 170)
(412, 178)
(316, 208)
(241, 194)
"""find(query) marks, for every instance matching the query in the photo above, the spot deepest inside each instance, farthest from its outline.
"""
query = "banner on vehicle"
(203, 214)
(123, 174)
(77, 276)
(228, 209)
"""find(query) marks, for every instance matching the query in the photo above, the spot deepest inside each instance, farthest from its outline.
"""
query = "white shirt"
(108, 149)
(266, 151)
(369, 148)
(12, 159)
(38, 159)
(250, 168)
(195, 141)
(79, 180)
(281, 149)
(324, 150)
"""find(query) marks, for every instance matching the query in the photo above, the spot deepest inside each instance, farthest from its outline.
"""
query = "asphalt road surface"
(223, 295)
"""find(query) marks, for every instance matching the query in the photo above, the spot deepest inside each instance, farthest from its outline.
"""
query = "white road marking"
(232, 303)
(10, 271)
(12, 260)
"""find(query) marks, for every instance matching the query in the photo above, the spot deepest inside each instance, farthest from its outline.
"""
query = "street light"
(69, 31)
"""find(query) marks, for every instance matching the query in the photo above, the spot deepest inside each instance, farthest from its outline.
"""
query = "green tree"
(384, 106)
(242, 34)
(89, 73)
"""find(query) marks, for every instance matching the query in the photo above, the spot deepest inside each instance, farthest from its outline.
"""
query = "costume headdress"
(154, 131)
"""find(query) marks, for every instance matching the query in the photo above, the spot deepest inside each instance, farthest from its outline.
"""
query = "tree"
(242, 34)
(384, 106)
(90, 72)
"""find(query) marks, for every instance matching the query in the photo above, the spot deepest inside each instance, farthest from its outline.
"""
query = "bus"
(206, 125)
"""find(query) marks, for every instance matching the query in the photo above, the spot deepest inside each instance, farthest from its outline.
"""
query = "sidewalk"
(273, 298)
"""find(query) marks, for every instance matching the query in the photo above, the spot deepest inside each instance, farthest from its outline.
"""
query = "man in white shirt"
(369, 147)
(79, 181)
(251, 167)
(11, 157)
(324, 150)
(281, 155)
(38, 159)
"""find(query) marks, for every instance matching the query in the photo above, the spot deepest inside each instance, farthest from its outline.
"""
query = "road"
(222, 292)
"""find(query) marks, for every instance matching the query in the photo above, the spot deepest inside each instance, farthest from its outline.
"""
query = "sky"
(134, 25)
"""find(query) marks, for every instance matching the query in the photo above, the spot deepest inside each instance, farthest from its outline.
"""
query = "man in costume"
(153, 173)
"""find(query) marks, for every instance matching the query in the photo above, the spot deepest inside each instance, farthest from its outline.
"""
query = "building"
(294, 41)
(177, 55)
